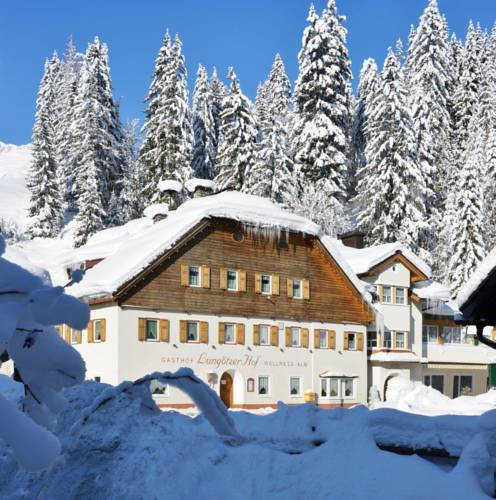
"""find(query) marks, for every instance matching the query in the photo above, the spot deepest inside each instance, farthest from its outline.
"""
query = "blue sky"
(243, 33)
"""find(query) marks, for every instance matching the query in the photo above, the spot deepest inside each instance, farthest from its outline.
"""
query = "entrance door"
(226, 389)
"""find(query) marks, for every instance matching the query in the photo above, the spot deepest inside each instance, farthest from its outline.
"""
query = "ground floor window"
(192, 331)
(462, 385)
(371, 339)
(158, 388)
(337, 388)
(264, 335)
(435, 381)
(151, 331)
(294, 386)
(263, 385)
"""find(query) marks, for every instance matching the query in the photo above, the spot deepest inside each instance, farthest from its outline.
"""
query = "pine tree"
(489, 187)
(271, 174)
(166, 153)
(323, 102)
(67, 85)
(45, 207)
(466, 233)
(205, 146)
(237, 144)
(218, 93)
(391, 184)
(97, 132)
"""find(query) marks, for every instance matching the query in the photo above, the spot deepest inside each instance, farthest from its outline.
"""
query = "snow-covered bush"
(46, 364)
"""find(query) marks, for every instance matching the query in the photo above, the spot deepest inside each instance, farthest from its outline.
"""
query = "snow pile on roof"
(122, 449)
(486, 267)
(432, 290)
(362, 260)
(156, 209)
(393, 356)
(170, 185)
(192, 184)
(14, 195)
(414, 397)
(143, 248)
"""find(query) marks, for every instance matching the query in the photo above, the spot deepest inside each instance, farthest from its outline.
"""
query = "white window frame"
(323, 334)
(390, 301)
(300, 296)
(269, 384)
(354, 348)
(428, 329)
(294, 329)
(340, 382)
(95, 322)
(197, 323)
(459, 375)
(403, 289)
(270, 284)
(396, 346)
(384, 340)
(236, 288)
(165, 394)
(199, 277)
(268, 335)
(298, 394)
(233, 341)
(146, 330)
(430, 375)
(451, 331)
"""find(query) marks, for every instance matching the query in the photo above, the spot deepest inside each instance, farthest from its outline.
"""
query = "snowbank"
(124, 449)
(9, 389)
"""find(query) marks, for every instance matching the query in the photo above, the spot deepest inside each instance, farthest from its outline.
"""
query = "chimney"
(353, 239)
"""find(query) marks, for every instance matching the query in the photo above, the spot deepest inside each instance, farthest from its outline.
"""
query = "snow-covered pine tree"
(467, 243)
(320, 135)
(67, 84)
(205, 146)
(369, 79)
(166, 153)
(236, 153)
(271, 174)
(391, 185)
(489, 187)
(97, 132)
(45, 208)
(218, 92)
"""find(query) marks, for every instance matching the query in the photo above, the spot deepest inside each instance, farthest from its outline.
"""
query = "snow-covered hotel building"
(415, 334)
(257, 301)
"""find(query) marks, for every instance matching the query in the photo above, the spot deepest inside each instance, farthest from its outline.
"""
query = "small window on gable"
(399, 295)
(386, 295)
(232, 280)
(194, 276)
(297, 289)
(266, 284)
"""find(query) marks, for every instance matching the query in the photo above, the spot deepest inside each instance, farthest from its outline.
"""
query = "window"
(263, 385)
(297, 289)
(386, 295)
(400, 340)
(151, 330)
(194, 276)
(387, 344)
(399, 295)
(429, 334)
(192, 331)
(158, 388)
(250, 385)
(452, 335)
(264, 335)
(295, 337)
(435, 381)
(232, 280)
(323, 339)
(294, 386)
(462, 385)
(351, 341)
(265, 284)
(98, 379)
(371, 339)
(74, 336)
(229, 334)
(337, 388)
(97, 330)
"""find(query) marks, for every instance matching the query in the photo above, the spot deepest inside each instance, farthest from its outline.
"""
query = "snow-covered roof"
(396, 357)
(437, 308)
(432, 290)
(192, 184)
(156, 209)
(141, 249)
(487, 266)
(170, 185)
(362, 260)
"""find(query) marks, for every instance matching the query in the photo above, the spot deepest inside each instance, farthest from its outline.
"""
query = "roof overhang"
(416, 274)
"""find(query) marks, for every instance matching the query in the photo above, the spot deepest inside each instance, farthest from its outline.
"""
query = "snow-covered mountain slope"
(14, 196)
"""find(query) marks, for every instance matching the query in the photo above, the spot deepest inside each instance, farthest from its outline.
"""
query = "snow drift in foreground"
(414, 397)
(123, 448)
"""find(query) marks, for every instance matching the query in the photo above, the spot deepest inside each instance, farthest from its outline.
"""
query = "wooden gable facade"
(217, 245)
